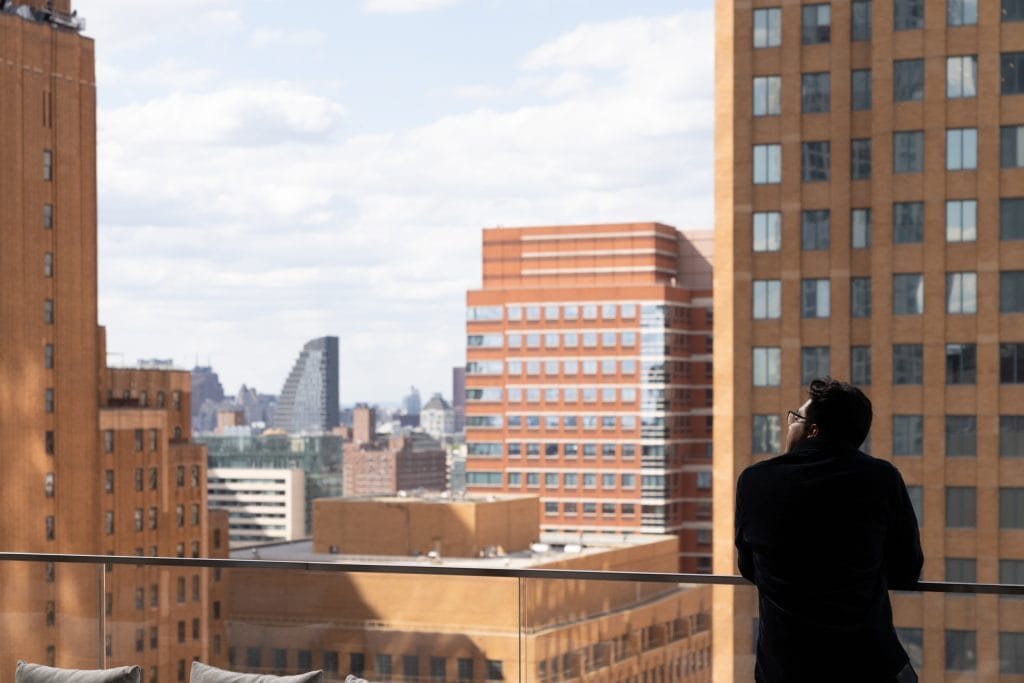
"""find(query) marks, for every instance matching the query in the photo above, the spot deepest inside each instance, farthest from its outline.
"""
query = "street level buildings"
(869, 223)
(380, 465)
(588, 379)
(389, 626)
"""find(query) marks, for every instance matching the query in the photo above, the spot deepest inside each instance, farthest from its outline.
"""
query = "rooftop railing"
(414, 620)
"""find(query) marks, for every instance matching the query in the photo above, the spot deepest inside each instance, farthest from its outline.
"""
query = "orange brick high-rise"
(82, 449)
(869, 224)
(588, 380)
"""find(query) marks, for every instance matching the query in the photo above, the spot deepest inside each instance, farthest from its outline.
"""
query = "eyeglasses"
(794, 417)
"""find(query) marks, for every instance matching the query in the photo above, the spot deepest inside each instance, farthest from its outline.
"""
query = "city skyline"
(254, 196)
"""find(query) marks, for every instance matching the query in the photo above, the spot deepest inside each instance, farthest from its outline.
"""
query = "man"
(824, 531)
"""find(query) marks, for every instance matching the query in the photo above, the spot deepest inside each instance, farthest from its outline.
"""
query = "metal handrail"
(492, 572)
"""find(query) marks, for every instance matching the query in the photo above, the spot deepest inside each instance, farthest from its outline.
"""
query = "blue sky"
(275, 171)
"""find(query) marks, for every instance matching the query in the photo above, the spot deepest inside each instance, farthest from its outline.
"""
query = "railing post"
(101, 621)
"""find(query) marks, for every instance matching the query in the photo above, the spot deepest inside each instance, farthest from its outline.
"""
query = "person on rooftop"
(824, 531)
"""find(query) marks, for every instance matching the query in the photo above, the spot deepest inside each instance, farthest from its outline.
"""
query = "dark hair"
(840, 410)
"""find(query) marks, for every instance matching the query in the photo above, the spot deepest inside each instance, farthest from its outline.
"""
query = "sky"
(273, 171)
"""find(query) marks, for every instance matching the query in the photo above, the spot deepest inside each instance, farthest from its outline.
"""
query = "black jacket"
(824, 531)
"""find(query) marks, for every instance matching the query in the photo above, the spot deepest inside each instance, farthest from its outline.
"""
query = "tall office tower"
(588, 380)
(50, 358)
(459, 396)
(868, 188)
(64, 413)
(309, 399)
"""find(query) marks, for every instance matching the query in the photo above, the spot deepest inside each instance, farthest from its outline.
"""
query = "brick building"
(588, 379)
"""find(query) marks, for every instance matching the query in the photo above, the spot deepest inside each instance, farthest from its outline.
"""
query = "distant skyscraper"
(205, 386)
(437, 417)
(459, 396)
(411, 403)
(309, 399)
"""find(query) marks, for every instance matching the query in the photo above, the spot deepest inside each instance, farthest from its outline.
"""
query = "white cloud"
(266, 37)
(406, 6)
(249, 223)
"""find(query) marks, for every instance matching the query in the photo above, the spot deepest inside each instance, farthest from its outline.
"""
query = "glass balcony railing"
(414, 620)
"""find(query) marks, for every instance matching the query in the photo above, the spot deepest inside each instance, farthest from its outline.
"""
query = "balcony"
(422, 619)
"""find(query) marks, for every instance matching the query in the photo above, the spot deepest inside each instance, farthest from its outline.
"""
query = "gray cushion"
(38, 673)
(203, 673)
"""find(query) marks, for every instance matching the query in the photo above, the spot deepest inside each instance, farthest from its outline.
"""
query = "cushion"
(38, 673)
(204, 673)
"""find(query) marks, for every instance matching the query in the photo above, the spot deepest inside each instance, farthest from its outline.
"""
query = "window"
(908, 151)
(908, 14)
(907, 434)
(1010, 76)
(961, 436)
(1011, 652)
(814, 298)
(330, 661)
(767, 95)
(908, 80)
(766, 366)
(961, 292)
(767, 164)
(767, 299)
(768, 27)
(962, 569)
(768, 231)
(48, 311)
(961, 12)
(961, 77)
(860, 28)
(860, 365)
(960, 650)
(860, 159)
(860, 297)
(814, 363)
(1011, 508)
(961, 363)
(48, 216)
(860, 228)
(766, 436)
(464, 669)
(908, 294)
(1011, 571)
(49, 442)
(1011, 435)
(1011, 219)
(816, 26)
(961, 507)
(907, 364)
(437, 667)
(1013, 10)
(48, 264)
(916, 494)
(961, 220)
(47, 165)
(815, 92)
(961, 149)
(494, 672)
(814, 161)
(48, 400)
(860, 90)
(907, 222)
(1011, 363)
(1011, 146)
(1011, 291)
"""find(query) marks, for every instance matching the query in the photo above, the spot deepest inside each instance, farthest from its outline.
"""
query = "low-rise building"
(263, 505)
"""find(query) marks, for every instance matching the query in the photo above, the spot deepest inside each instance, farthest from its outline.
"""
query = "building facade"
(309, 399)
(459, 396)
(394, 627)
(263, 505)
(382, 465)
(588, 379)
(319, 458)
(869, 219)
(437, 418)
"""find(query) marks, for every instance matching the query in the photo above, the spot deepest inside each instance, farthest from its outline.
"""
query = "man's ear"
(812, 430)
